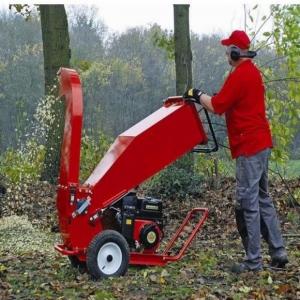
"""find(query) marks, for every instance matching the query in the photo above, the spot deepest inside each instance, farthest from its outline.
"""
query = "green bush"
(26, 164)
(92, 150)
(174, 182)
(23, 165)
(211, 165)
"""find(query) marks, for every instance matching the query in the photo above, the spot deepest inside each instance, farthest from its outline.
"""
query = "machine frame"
(137, 154)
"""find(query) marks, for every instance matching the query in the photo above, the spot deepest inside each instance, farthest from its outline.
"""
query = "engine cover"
(142, 220)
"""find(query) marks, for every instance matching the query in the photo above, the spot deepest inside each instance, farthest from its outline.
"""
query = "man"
(242, 100)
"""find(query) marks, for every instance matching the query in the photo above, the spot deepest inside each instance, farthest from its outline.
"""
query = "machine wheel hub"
(109, 258)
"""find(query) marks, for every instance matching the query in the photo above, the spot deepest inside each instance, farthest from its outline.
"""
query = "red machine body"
(136, 155)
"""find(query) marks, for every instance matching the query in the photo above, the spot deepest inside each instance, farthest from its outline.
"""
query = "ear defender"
(235, 53)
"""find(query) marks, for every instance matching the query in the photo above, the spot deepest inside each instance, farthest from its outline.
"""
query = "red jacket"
(242, 100)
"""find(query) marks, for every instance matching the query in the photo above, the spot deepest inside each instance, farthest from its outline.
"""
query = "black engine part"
(140, 208)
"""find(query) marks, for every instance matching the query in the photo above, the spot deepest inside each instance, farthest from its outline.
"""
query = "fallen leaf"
(162, 280)
(270, 280)
(153, 278)
(245, 289)
(164, 273)
(283, 289)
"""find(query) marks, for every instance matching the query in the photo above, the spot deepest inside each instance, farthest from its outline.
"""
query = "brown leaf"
(283, 289)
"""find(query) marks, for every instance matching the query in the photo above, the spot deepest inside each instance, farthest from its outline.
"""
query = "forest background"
(126, 76)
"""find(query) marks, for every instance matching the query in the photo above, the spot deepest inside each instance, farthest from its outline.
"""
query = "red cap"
(238, 38)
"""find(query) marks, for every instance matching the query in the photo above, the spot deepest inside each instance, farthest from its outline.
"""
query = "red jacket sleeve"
(229, 94)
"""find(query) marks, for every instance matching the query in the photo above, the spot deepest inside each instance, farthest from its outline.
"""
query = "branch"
(286, 185)
(271, 60)
(264, 74)
(296, 79)
(261, 26)
(265, 45)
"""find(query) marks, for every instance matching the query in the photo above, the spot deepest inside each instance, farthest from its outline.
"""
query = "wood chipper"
(103, 223)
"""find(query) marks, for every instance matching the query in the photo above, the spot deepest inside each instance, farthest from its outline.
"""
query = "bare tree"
(183, 63)
(56, 54)
(183, 52)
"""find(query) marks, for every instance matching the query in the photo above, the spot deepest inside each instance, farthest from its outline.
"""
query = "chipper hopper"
(103, 223)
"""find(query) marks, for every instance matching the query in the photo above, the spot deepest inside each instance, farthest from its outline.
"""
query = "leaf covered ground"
(31, 269)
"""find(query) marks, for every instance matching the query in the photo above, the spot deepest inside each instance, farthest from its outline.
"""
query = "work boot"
(279, 261)
(242, 268)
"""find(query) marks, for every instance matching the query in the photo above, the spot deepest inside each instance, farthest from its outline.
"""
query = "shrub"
(26, 164)
(91, 153)
(23, 164)
(174, 182)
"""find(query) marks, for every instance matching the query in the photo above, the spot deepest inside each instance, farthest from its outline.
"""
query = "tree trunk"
(183, 52)
(183, 64)
(57, 54)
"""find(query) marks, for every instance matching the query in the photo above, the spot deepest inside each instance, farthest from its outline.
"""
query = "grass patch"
(293, 169)
(290, 171)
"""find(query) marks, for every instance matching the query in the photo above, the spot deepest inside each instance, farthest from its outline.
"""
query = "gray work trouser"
(255, 212)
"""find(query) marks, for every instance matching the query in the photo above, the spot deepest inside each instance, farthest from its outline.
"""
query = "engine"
(141, 221)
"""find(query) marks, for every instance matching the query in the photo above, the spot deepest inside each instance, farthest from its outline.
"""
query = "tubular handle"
(216, 146)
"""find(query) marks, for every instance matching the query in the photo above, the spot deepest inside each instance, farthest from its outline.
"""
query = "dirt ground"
(31, 269)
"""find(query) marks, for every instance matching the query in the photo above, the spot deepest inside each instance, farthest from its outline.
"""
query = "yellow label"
(190, 92)
(128, 221)
(152, 207)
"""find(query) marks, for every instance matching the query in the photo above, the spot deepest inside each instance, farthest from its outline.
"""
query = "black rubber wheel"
(77, 264)
(107, 255)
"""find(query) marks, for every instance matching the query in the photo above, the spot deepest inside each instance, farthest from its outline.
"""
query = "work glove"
(193, 93)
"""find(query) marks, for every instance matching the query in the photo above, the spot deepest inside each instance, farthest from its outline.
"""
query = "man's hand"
(193, 93)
